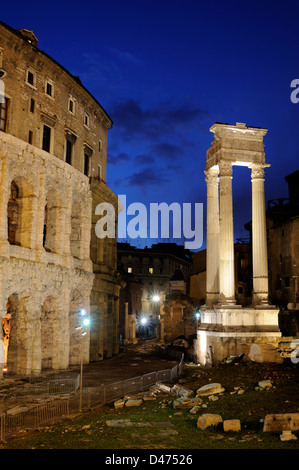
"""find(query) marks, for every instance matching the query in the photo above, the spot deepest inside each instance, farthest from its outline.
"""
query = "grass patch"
(154, 427)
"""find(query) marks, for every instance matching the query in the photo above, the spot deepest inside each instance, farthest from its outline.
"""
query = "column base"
(232, 331)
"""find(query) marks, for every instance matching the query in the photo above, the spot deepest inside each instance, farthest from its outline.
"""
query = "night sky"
(165, 71)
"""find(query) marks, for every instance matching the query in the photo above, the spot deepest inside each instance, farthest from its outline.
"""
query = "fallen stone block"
(182, 403)
(232, 425)
(134, 403)
(195, 409)
(263, 352)
(149, 398)
(210, 389)
(119, 404)
(265, 384)
(213, 398)
(208, 419)
(281, 422)
(287, 436)
(181, 391)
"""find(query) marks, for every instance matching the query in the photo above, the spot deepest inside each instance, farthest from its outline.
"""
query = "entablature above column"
(237, 143)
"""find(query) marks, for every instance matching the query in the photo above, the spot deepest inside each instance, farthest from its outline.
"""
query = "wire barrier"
(23, 417)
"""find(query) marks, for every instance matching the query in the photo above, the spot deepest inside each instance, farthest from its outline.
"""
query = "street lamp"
(156, 298)
(83, 331)
(197, 316)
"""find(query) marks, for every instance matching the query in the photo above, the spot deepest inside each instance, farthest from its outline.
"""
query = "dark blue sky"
(165, 71)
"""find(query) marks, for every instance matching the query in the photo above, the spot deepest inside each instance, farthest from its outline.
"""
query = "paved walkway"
(132, 361)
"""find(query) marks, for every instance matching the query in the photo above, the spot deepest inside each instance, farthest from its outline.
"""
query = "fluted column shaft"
(212, 253)
(226, 238)
(259, 236)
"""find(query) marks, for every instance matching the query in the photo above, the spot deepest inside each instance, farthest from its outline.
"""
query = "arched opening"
(48, 332)
(20, 212)
(12, 336)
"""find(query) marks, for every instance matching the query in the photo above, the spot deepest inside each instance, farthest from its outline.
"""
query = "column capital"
(212, 177)
(225, 168)
(257, 170)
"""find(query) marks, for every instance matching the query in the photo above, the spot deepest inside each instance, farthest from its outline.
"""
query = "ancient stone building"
(53, 148)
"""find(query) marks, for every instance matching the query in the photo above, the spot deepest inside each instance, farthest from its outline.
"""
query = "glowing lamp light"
(86, 321)
(143, 321)
(156, 298)
(82, 312)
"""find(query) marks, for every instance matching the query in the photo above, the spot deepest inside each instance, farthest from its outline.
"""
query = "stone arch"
(20, 212)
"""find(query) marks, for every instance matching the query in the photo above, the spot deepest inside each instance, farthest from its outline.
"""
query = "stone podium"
(227, 328)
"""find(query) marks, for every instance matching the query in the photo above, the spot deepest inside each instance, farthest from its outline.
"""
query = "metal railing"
(24, 417)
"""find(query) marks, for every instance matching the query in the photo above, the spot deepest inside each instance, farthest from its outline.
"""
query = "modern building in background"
(53, 142)
(152, 270)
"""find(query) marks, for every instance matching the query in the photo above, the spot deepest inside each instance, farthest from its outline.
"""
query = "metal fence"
(25, 417)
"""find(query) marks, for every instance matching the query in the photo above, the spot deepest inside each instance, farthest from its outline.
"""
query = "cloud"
(118, 159)
(166, 150)
(134, 120)
(146, 178)
(144, 159)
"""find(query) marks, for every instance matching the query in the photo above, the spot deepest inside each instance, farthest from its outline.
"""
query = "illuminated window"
(129, 270)
(151, 270)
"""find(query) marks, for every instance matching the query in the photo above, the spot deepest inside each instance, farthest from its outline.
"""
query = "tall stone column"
(259, 236)
(212, 253)
(226, 236)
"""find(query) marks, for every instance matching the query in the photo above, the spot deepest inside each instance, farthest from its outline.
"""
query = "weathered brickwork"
(53, 149)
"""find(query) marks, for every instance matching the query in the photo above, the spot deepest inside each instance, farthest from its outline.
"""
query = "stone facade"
(53, 148)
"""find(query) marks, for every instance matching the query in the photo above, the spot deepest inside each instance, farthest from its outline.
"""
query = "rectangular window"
(30, 78)
(100, 145)
(71, 106)
(86, 119)
(68, 153)
(99, 171)
(32, 105)
(3, 114)
(46, 138)
(49, 89)
(151, 270)
(30, 137)
(129, 269)
(86, 164)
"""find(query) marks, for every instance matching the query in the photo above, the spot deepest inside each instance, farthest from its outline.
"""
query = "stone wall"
(43, 285)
